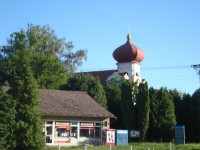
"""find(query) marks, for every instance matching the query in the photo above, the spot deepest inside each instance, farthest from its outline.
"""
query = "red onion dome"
(128, 52)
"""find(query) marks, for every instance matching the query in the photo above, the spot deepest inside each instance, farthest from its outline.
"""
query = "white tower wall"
(132, 68)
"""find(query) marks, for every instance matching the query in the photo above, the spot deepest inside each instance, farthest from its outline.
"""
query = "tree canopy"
(51, 57)
(196, 115)
(7, 121)
(88, 83)
(113, 95)
(162, 115)
(128, 100)
(143, 109)
(24, 89)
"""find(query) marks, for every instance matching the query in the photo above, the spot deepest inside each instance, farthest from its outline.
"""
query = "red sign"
(62, 123)
(90, 124)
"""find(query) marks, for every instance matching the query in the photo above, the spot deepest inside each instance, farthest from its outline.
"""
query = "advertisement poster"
(62, 132)
(110, 139)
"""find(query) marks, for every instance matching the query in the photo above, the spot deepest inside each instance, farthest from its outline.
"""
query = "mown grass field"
(135, 146)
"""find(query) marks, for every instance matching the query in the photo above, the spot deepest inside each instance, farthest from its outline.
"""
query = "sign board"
(89, 124)
(122, 137)
(134, 133)
(62, 123)
(179, 134)
(108, 137)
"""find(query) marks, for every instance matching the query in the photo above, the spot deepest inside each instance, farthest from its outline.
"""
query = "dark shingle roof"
(102, 75)
(70, 104)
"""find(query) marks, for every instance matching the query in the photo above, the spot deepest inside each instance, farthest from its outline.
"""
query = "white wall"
(132, 68)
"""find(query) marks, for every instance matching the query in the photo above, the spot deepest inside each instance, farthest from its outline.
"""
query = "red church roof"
(128, 52)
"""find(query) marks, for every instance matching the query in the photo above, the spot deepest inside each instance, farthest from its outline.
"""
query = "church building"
(128, 57)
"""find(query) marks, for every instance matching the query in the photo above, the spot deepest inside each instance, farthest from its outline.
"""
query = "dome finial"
(128, 37)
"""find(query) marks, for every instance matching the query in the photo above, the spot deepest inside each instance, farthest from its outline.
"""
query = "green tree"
(177, 99)
(28, 118)
(46, 51)
(7, 121)
(48, 71)
(162, 115)
(143, 108)
(186, 117)
(196, 115)
(88, 83)
(128, 101)
(113, 95)
(153, 115)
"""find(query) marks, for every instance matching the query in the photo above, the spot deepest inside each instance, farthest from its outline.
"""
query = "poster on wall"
(62, 132)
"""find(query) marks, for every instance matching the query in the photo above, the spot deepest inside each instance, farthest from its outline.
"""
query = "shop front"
(72, 118)
(58, 132)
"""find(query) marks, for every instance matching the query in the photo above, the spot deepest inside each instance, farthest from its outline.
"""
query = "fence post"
(58, 146)
(131, 147)
(85, 148)
(170, 146)
(110, 147)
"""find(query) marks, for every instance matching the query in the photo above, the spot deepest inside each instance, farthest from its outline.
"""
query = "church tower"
(128, 57)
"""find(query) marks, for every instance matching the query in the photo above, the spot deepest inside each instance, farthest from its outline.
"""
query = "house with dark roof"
(72, 117)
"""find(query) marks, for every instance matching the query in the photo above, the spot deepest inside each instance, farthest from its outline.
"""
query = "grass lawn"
(135, 146)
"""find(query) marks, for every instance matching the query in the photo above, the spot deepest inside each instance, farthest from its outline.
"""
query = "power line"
(165, 67)
(197, 68)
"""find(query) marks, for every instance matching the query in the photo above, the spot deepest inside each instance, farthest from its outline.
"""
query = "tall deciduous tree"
(48, 71)
(28, 118)
(143, 108)
(50, 56)
(7, 121)
(88, 83)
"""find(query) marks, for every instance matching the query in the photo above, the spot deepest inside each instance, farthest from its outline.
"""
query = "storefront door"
(74, 135)
(48, 133)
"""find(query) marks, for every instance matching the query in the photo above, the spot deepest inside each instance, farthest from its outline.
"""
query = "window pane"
(49, 122)
(74, 123)
(84, 132)
(97, 132)
(49, 130)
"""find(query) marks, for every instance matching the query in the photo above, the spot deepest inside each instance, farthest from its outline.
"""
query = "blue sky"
(168, 31)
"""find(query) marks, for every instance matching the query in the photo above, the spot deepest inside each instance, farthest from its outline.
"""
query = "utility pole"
(197, 68)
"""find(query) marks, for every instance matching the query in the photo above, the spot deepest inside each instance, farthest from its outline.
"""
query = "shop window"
(98, 124)
(62, 132)
(84, 132)
(87, 132)
(48, 133)
(49, 122)
(105, 124)
(74, 123)
(74, 132)
(49, 130)
(48, 139)
(97, 132)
